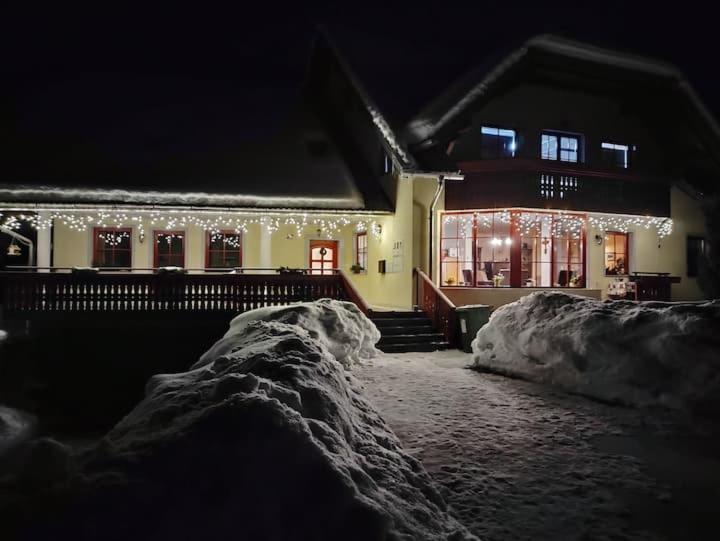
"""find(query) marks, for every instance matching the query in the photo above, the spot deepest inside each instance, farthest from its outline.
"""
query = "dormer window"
(497, 143)
(615, 155)
(560, 146)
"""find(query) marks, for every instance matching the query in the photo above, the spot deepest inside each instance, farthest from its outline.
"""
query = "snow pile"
(15, 427)
(266, 437)
(340, 326)
(649, 353)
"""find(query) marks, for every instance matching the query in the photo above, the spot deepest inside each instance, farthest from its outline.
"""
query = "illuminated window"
(224, 250)
(615, 155)
(361, 251)
(497, 143)
(616, 253)
(112, 247)
(563, 147)
(476, 249)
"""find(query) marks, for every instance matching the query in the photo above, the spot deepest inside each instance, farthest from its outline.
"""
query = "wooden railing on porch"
(654, 286)
(28, 292)
(437, 306)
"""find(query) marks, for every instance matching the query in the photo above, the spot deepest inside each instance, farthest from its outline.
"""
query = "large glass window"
(614, 155)
(224, 250)
(557, 146)
(616, 253)
(112, 247)
(456, 250)
(169, 249)
(479, 249)
(497, 143)
(492, 248)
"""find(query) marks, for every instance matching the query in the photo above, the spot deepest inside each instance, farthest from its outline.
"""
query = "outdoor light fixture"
(508, 241)
(13, 249)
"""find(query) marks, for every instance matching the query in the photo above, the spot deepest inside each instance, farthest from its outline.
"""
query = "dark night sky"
(136, 84)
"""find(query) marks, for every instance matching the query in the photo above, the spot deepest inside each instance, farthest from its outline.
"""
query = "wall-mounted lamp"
(13, 249)
(598, 240)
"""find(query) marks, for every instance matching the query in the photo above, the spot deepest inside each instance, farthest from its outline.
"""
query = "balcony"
(536, 183)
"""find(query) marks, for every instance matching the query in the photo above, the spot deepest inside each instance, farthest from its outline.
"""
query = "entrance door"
(323, 256)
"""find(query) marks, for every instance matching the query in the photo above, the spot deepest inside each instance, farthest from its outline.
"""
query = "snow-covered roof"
(300, 166)
(453, 102)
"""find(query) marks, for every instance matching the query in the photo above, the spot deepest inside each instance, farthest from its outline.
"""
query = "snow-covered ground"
(266, 437)
(649, 353)
(519, 460)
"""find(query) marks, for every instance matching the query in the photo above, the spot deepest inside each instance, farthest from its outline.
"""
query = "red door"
(323, 256)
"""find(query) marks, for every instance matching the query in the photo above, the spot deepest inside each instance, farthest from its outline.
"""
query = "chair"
(467, 276)
(563, 278)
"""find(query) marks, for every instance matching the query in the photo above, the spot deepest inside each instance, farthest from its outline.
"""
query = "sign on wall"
(398, 257)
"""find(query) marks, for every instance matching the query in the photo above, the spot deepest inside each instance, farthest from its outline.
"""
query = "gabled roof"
(387, 132)
(566, 62)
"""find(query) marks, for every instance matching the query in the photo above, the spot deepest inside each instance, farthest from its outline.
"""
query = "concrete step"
(381, 323)
(395, 314)
(410, 338)
(406, 329)
(413, 347)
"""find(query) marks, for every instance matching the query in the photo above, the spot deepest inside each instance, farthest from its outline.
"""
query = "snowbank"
(648, 353)
(15, 428)
(340, 326)
(266, 437)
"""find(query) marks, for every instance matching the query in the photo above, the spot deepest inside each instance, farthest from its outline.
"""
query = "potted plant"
(450, 281)
(356, 269)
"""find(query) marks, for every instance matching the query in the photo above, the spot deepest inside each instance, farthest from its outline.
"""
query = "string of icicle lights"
(556, 225)
(216, 224)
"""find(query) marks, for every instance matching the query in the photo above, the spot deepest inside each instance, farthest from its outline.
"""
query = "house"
(561, 165)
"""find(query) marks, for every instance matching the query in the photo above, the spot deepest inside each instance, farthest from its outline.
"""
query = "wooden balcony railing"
(34, 292)
(437, 306)
(654, 286)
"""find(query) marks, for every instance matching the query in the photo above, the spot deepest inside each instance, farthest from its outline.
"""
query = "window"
(479, 249)
(563, 147)
(224, 250)
(387, 164)
(615, 155)
(169, 250)
(112, 247)
(497, 143)
(361, 251)
(696, 251)
(616, 253)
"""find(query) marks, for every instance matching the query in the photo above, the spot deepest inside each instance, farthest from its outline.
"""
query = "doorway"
(323, 256)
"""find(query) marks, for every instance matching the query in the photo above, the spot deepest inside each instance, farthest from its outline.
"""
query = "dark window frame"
(559, 135)
(225, 250)
(614, 163)
(156, 253)
(499, 154)
(97, 231)
(692, 260)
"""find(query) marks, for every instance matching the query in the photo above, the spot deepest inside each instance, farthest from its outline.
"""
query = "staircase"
(403, 332)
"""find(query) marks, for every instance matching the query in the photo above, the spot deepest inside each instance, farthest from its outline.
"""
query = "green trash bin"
(471, 318)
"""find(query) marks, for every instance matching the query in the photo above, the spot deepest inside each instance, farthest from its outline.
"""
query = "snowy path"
(516, 460)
